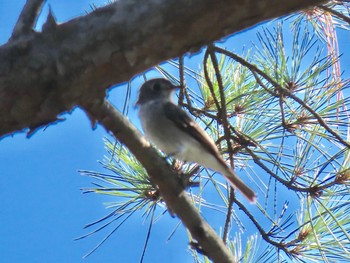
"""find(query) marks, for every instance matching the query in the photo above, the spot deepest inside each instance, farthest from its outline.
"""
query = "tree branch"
(161, 175)
(335, 13)
(27, 18)
(46, 74)
(285, 92)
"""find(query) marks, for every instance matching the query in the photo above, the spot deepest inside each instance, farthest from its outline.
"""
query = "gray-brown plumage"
(173, 131)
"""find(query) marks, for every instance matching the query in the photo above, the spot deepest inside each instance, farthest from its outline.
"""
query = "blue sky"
(42, 206)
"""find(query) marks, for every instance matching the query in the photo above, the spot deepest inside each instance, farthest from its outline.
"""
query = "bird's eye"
(156, 86)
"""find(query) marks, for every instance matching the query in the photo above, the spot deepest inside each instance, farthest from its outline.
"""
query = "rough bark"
(45, 74)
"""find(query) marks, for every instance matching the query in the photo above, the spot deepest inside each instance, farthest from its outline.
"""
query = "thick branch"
(27, 18)
(161, 175)
(46, 74)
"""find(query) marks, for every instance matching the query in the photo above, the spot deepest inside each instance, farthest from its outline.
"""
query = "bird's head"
(156, 89)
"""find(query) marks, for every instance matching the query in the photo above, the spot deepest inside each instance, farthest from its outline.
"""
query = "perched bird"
(174, 132)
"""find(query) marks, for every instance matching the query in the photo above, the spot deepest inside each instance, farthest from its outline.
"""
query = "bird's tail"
(236, 182)
(216, 163)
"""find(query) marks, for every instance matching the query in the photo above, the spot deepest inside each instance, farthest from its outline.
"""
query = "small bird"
(174, 132)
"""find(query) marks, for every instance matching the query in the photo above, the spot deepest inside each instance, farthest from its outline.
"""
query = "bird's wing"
(185, 123)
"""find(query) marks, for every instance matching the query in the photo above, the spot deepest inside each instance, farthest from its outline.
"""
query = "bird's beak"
(176, 87)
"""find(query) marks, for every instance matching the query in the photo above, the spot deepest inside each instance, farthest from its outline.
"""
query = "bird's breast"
(158, 129)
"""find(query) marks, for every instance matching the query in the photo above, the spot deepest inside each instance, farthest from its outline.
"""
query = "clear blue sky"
(42, 207)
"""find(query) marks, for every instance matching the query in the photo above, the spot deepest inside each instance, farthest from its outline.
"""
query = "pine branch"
(161, 175)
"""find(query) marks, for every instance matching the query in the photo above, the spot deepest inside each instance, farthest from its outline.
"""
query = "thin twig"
(289, 184)
(227, 133)
(182, 81)
(336, 13)
(196, 111)
(210, 84)
(183, 91)
(280, 101)
(264, 235)
(286, 92)
(229, 214)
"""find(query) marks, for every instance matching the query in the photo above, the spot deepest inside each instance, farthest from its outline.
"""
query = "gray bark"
(45, 74)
